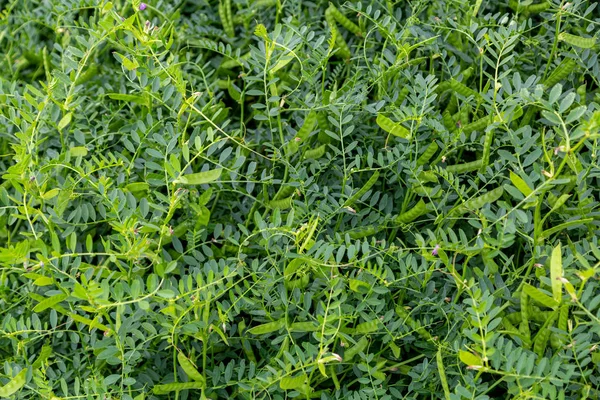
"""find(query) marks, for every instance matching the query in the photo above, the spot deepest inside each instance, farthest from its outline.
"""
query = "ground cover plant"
(270, 199)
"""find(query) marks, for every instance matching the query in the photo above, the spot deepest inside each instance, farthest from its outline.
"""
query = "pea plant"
(272, 199)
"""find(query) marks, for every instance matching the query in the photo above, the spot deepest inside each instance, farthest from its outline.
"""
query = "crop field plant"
(277, 199)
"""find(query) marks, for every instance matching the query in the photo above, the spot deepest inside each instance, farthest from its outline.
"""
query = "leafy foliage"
(272, 199)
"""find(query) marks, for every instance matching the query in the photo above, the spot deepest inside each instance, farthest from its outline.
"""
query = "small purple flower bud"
(143, 6)
(435, 250)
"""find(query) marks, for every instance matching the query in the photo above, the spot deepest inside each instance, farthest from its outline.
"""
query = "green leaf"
(49, 302)
(520, 184)
(127, 63)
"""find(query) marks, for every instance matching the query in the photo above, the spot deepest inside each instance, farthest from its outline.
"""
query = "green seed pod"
(224, 9)
(464, 167)
(467, 73)
(304, 327)
(427, 191)
(452, 105)
(514, 318)
(487, 148)
(360, 346)
(282, 204)
(315, 153)
(524, 326)
(401, 96)
(408, 216)
(367, 327)
(563, 318)
(555, 341)
(427, 154)
(578, 41)
(414, 325)
(581, 91)
(342, 47)
(559, 73)
(480, 201)
(462, 89)
(478, 125)
(443, 86)
(286, 191)
(537, 8)
(394, 128)
(14, 385)
(189, 368)
(307, 127)
(356, 196)
(322, 120)
(267, 328)
(264, 3)
(448, 121)
(428, 176)
(541, 339)
(178, 386)
(335, 14)
(363, 231)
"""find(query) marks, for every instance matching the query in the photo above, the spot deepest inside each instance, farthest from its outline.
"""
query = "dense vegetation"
(299, 199)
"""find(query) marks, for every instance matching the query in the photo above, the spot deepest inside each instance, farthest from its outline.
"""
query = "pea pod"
(394, 128)
(408, 320)
(316, 152)
(478, 125)
(448, 120)
(342, 47)
(304, 327)
(14, 385)
(282, 204)
(578, 41)
(267, 328)
(427, 154)
(323, 126)
(176, 387)
(428, 176)
(189, 368)
(524, 326)
(285, 192)
(293, 382)
(42, 357)
(480, 201)
(408, 216)
(360, 346)
(464, 167)
(335, 14)
(367, 327)
(541, 339)
(363, 231)
(560, 72)
(464, 90)
(368, 185)
(487, 148)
